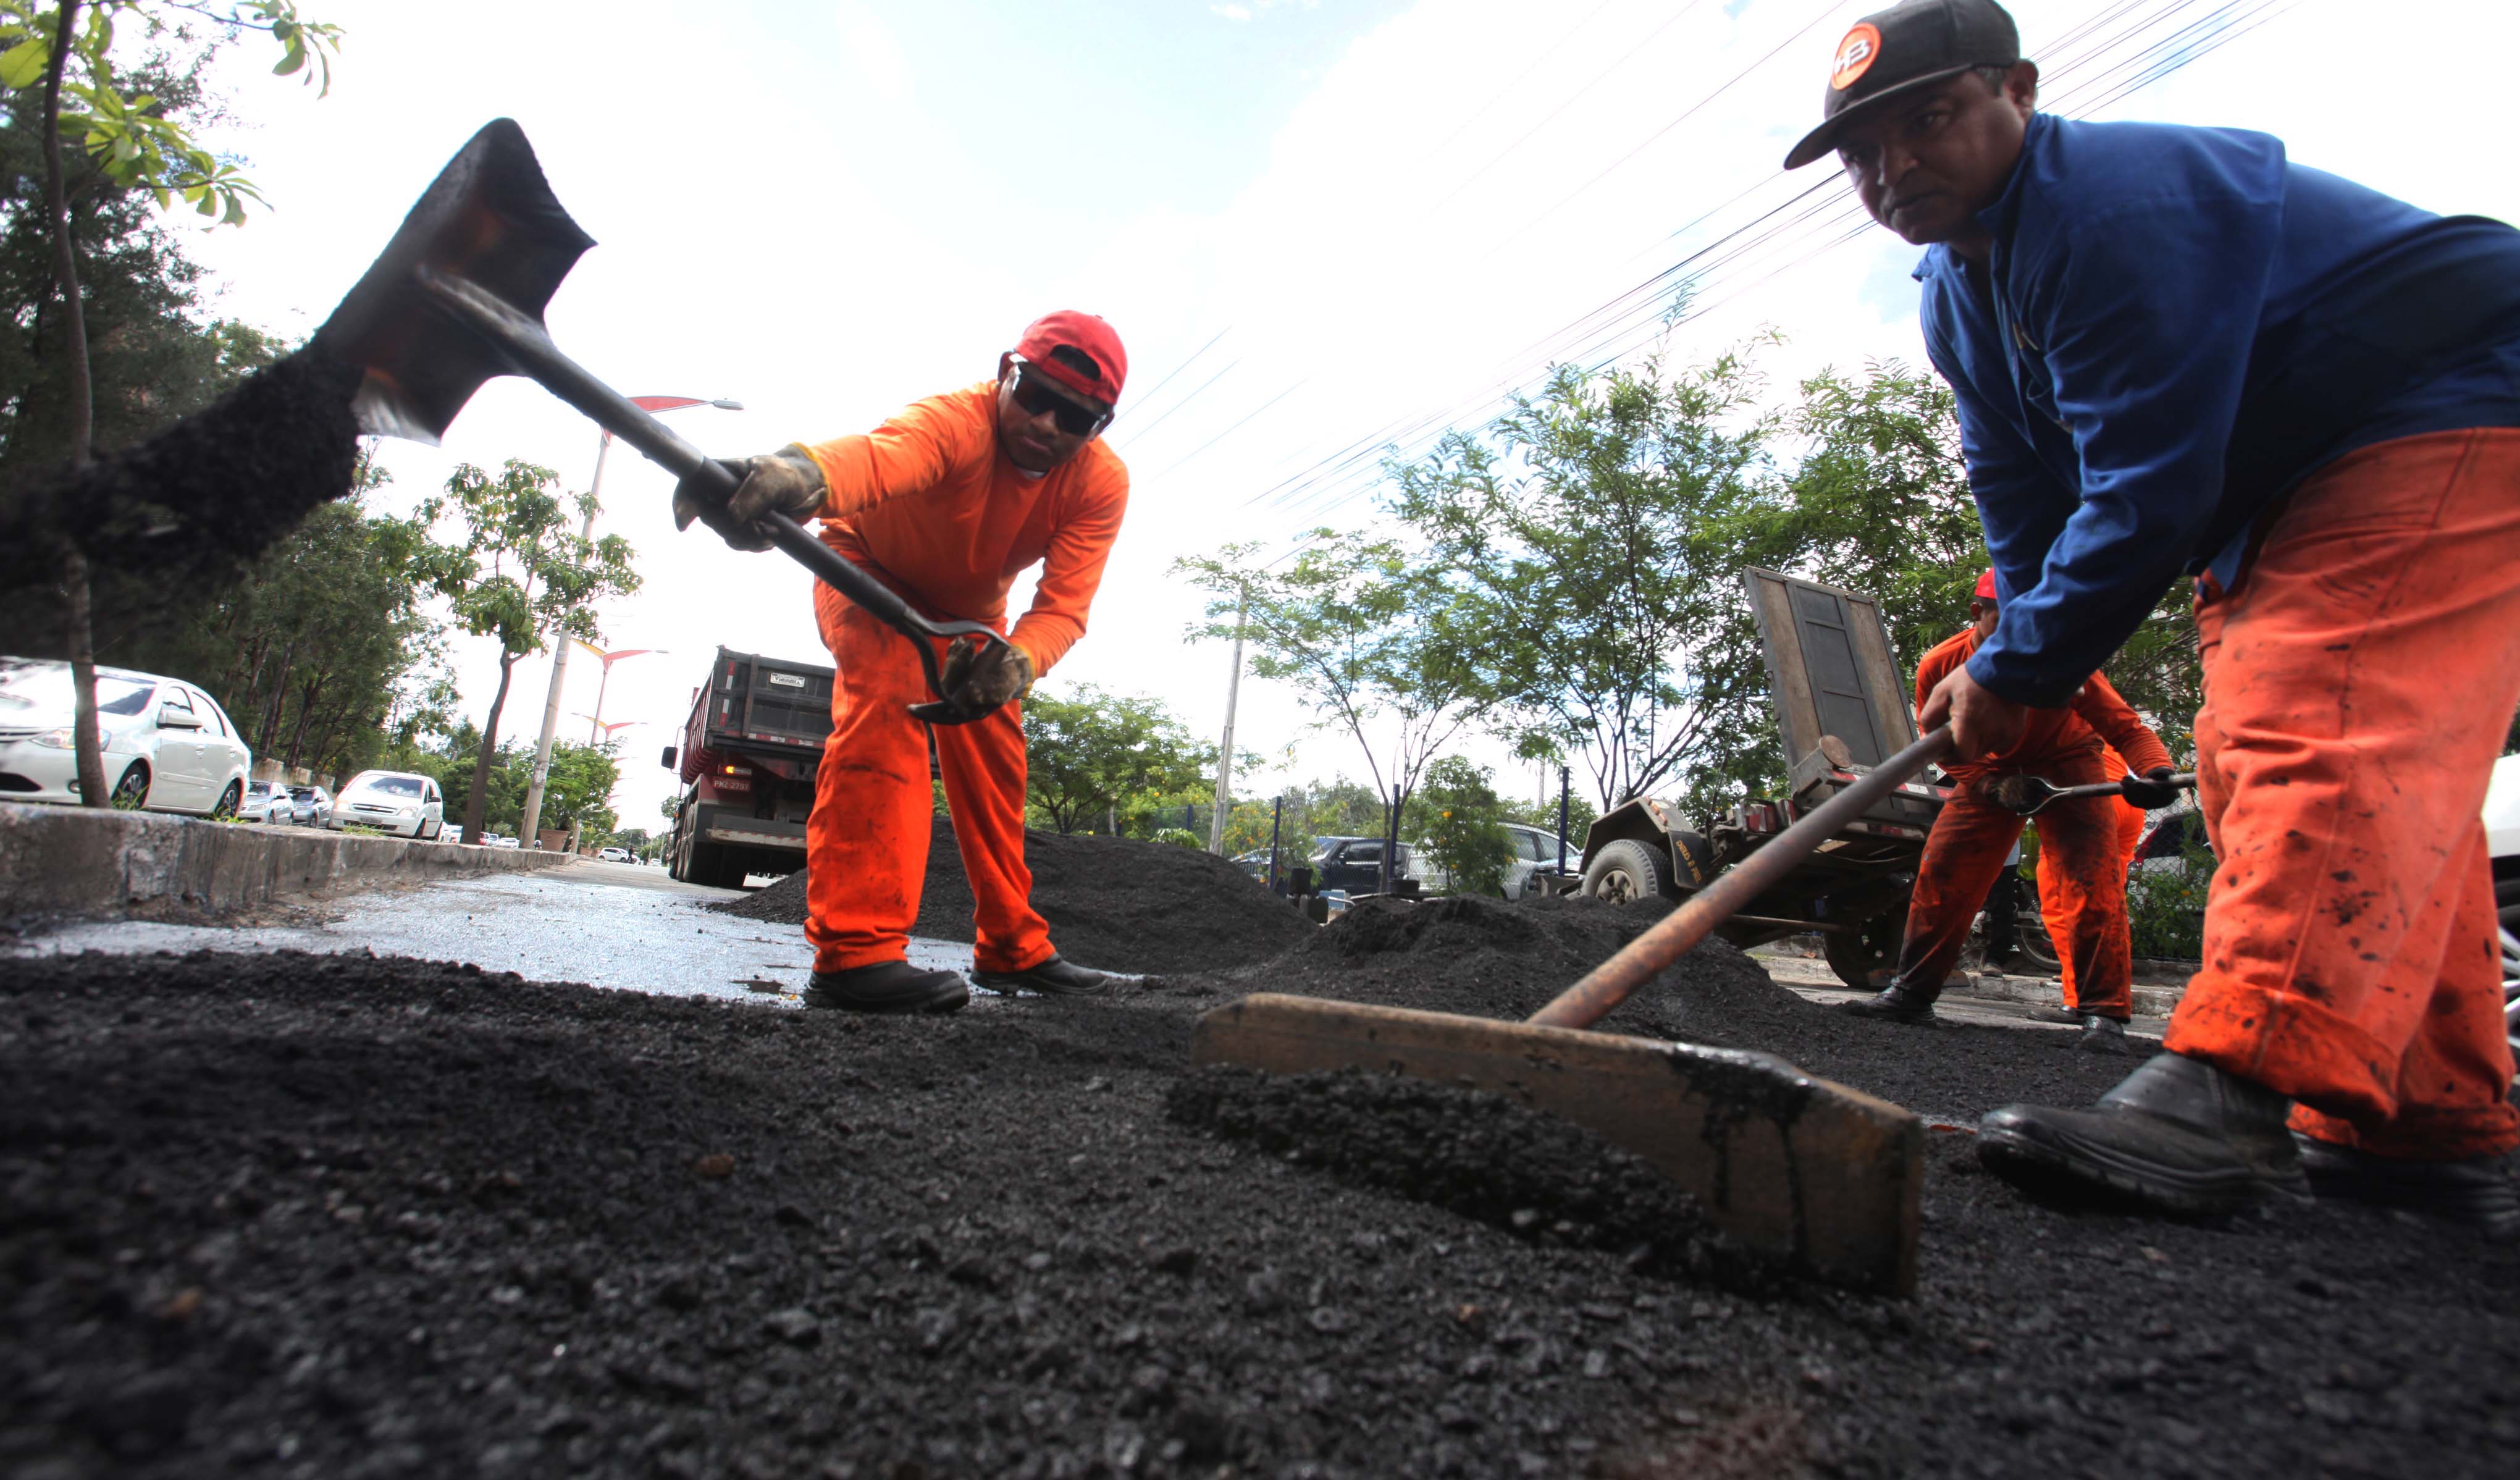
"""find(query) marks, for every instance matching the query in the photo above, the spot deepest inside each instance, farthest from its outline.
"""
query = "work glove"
(787, 481)
(979, 678)
(2151, 790)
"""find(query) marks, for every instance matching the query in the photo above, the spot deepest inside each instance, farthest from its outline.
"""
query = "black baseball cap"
(1894, 53)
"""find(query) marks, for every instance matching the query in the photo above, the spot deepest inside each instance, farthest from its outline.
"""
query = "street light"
(531, 834)
(596, 719)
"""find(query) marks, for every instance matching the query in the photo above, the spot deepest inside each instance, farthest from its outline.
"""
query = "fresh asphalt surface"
(611, 924)
(631, 926)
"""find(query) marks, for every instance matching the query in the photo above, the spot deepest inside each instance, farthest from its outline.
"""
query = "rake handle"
(1673, 935)
(533, 354)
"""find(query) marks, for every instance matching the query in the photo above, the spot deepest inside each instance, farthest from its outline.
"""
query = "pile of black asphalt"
(1117, 904)
(293, 1215)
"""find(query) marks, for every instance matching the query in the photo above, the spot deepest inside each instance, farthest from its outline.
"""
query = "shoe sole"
(943, 1002)
(2062, 1162)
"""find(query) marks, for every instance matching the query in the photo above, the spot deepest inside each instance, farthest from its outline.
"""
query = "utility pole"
(1564, 789)
(528, 835)
(1224, 757)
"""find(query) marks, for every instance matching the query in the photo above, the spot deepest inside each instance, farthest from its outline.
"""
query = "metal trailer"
(747, 758)
(1842, 706)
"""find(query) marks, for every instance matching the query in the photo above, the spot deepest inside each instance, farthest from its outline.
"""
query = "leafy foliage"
(518, 574)
(2166, 906)
(578, 792)
(129, 134)
(1097, 758)
(1585, 534)
(1462, 827)
(1373, 641)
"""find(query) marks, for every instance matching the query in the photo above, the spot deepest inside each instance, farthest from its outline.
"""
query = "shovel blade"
(490, 219)
(1822, 1177)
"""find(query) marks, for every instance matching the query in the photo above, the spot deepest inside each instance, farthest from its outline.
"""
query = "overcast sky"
(1335, 221)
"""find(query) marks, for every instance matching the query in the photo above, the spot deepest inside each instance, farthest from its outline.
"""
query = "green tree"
(1370, 638)
(1586, 536)
(1096, 755)
(578, 793)
(1463, 826)
(136, 143)
(517, 572)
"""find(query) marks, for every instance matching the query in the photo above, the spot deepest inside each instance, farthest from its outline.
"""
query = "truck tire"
(1627, 871)
(716, 866)
(1856, 956)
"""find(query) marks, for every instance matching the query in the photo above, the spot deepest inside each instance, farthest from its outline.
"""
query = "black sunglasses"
(1034, 394)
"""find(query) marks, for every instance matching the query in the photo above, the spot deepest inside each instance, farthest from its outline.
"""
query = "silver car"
(310, 806)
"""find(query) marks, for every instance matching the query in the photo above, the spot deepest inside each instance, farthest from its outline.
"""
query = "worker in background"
(2173, 349)
(946, 503)
(2082, 865)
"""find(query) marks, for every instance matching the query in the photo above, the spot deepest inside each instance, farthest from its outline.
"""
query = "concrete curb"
(2150, 1000)
(84, 861)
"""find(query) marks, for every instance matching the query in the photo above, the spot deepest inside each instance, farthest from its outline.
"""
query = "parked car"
(1536, 852)
(398, 802)
(613, 855)
(496, 841)
(311, 806)
(1354, 865)
(266, 803)
(168, 747)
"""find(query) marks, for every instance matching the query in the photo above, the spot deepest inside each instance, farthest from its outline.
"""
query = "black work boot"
(887, 986)
(2476, 1193)
(1900, 1002)
(2102, 1035)
(1052, 979)
(2176, 1134)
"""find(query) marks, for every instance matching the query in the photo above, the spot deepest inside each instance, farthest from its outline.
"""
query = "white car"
(400, 802)
(613, 855)
(168, 747)
(1535, 851)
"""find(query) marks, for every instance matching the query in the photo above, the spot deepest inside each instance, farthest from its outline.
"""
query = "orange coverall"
(928, 503)
(2359, 679)
(2078, 842)
(2051, 888)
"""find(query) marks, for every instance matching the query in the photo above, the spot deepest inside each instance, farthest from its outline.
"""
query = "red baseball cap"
(1986, 585)
(1088, 335)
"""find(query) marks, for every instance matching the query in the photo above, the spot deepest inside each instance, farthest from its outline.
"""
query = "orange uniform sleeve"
(1072, 572)
(1938, 663)
(910, 452)
(2103, 710)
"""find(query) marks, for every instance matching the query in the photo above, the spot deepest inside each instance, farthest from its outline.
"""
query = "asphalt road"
(605, 924)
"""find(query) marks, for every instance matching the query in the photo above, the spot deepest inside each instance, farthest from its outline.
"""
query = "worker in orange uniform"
(2081, 865)
(2175, 351)
(946, 503)
(2129, 819)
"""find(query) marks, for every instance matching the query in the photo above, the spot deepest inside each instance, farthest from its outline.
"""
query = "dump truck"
(747, 760)
(1842, 707)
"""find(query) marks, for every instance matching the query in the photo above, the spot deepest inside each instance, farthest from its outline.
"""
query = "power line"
(1150, 391)
(1837, 220)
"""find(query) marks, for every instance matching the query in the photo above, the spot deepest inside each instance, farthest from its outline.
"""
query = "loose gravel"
(349, 1217)
(1114, 903)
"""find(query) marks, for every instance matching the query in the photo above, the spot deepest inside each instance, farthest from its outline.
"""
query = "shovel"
(2028, 795)
(458, 297)
(1816, 1175)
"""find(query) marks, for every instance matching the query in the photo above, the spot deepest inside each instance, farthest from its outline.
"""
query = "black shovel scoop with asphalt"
(458, 297)
(2028, 795)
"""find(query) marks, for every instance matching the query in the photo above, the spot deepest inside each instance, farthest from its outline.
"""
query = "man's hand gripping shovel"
(458, 297)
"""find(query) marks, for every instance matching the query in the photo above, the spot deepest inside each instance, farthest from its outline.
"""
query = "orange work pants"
(2078, 846)
(866, 842)
(2055, 908)
(2358, 682)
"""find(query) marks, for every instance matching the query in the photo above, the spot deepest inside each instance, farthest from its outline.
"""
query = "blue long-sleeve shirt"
(2175, 325)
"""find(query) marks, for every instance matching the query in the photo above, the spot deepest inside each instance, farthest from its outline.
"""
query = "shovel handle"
(532, 353)
(1611, 982)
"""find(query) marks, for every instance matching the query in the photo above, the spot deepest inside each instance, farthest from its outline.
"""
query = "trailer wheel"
(1627, 871)
(1856, 955)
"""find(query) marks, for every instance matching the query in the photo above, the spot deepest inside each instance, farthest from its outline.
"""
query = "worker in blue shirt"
(2176, 351)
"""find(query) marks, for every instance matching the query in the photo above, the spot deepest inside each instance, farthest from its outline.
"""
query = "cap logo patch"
(1855, 54)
